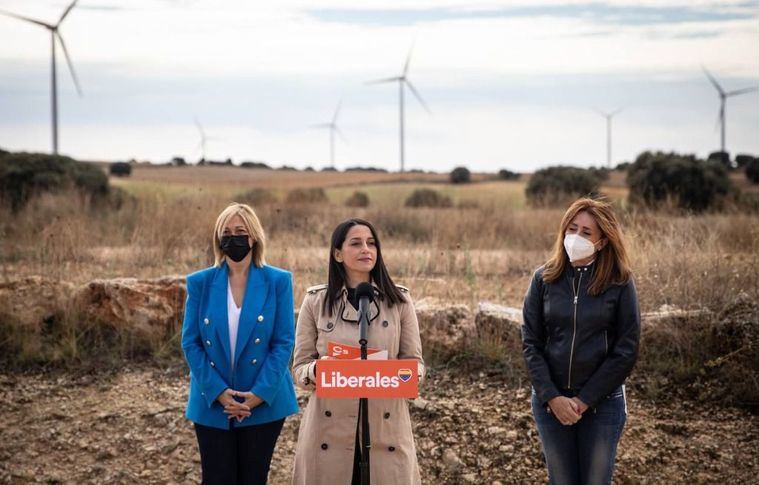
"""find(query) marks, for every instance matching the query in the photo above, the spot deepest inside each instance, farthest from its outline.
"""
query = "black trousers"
(239, 455)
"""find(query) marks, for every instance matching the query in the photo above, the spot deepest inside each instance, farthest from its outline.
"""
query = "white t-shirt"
(234, 322)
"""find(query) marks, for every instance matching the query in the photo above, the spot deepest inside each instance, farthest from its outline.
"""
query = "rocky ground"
(128, 427)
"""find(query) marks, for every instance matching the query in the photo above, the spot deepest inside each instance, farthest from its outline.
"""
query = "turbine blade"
(713, 81)
(418, 96)
(337, 111)
(385, 80)
(617, 111)
(26, 19)
(743, 91)
(66, 12)
(601, 112)
(718, 121)
(408, 58)
(321, 125)
(70, 64)
(340, 133)
(200, 128)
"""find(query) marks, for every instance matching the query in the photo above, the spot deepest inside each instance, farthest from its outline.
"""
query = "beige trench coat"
(327, 435)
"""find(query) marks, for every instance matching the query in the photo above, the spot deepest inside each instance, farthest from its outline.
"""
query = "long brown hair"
(612, 264)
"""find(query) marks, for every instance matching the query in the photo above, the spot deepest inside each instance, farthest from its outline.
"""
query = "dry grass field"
(484, 247)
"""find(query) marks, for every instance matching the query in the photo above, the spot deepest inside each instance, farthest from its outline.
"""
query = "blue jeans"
(582, 453)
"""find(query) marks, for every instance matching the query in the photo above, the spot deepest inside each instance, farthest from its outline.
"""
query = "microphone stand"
(363, 409)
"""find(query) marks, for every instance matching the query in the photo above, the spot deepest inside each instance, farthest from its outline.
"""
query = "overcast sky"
(509, 84)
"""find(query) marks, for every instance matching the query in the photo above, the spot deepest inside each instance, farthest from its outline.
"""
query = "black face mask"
(236, 247)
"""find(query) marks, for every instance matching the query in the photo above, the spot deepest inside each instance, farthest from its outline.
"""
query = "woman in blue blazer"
(237, 336)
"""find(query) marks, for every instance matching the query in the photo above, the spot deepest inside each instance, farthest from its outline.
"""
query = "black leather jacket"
(584, 345)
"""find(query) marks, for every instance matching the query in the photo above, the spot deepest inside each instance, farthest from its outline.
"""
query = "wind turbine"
(403, 81)
(608, 116)
(332, 126)
(203, 139)
(723, 95)
(53, 28)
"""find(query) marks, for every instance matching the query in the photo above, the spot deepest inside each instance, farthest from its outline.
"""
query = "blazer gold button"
(254, 361)
(324, 446)
(205, 320)
(258, 341)
(260, 318)
(208, 342)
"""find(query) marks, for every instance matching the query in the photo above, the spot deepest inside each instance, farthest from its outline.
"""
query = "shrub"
(261, 165)
(601, 173)
(26, 175)
(257, 196)
(313, 195)
(690, 183)
(721, 157)
(557, 185)
(178, 161)
(742, 159)
(623, 166)
(358, 199)
(120, 169)
(460, 175)
(505, 174)
(428, 198)
(752, 170)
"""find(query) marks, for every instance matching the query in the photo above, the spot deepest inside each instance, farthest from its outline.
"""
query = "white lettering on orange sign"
(337, 380)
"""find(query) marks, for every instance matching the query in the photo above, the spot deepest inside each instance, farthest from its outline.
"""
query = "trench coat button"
(387, 415)
(208, 342)
(260, 318)
(324, 446)
(391, 448)
(258, 341)
(328, 413)
(384, 323)
(206, 321)
(330, 325)
(254, 361)
(212, 364)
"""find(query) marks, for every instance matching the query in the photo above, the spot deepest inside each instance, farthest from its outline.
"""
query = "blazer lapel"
(256, 292)
(218, 306)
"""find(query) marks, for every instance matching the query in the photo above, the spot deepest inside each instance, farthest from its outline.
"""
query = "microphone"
(364, 295)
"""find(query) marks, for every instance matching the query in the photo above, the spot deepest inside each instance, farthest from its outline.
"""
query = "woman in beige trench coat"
(327, 451)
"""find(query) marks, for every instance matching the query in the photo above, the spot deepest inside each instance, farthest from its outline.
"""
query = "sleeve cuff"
(213, 393)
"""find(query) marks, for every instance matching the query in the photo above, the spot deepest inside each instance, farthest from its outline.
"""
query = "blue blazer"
(265, 339)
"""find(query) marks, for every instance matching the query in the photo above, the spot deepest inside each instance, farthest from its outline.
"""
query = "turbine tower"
(403, 81)
(608, 117)
(54, 34)
(723, 95)
(333, 128)
(203, 139)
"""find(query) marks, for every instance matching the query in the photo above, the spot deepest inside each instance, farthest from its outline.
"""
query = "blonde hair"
(252, 225)
(612, 263)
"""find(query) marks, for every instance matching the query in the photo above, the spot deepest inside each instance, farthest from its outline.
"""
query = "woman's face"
(586, 226)
(235, 227)
(358, 253)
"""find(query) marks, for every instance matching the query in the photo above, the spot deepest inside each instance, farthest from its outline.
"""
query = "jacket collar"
(350, 314)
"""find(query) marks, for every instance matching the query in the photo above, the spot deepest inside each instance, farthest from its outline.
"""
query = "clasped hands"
(567, 410)
(236, 409)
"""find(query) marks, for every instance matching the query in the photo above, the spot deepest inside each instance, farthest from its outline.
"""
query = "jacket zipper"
(606, 343)
(576, 293)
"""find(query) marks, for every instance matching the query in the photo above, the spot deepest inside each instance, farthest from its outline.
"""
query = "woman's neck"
(352, 280)
(238, 270)
(583, 262)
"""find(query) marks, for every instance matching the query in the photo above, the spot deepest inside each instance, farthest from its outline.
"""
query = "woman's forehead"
(584, 219)
(360, 231)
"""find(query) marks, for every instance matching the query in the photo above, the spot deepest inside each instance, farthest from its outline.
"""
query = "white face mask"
(578, 247)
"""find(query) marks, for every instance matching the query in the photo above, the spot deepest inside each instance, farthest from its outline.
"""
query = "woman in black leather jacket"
(580, 335)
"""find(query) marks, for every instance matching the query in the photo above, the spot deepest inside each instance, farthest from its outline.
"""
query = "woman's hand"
(581, 406)
(565, 410)
(251, 400)
(232, 407)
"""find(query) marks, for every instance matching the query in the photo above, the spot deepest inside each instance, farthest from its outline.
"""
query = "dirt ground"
(128, 427)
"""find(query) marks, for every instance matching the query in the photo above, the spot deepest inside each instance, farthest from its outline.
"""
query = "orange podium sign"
(367, 378)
